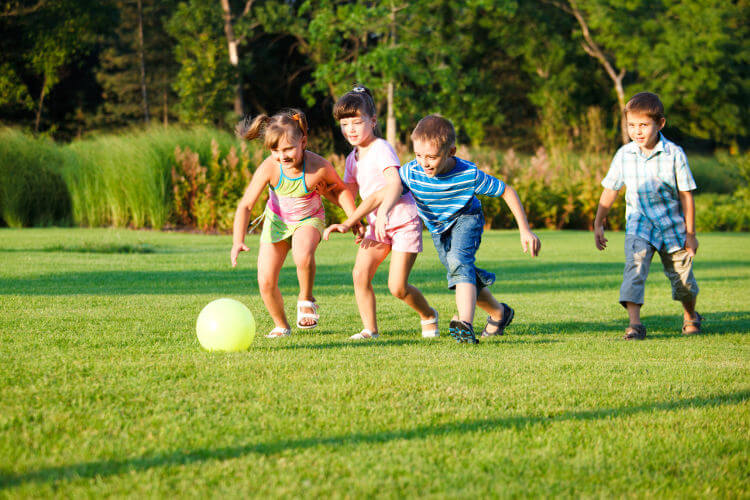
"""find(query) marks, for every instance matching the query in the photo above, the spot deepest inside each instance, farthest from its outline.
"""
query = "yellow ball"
(225, 325)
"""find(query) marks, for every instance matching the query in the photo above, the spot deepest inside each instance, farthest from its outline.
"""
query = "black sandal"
(462, 332)
(508, 314)
(692, 322)
(635, 332)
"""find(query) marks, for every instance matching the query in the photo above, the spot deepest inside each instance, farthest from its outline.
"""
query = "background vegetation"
(508, 73)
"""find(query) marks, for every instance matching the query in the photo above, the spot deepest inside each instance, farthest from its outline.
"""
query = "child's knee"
(304, 259)
(398, 290)
(267, 283)
(360, 277)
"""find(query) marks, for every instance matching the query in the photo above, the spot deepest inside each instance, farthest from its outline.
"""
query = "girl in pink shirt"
(372, 165)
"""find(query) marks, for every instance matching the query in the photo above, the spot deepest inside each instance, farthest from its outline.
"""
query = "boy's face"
(644, 130)
(432, 160)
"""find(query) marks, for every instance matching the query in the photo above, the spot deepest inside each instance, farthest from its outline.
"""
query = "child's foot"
(635, 332)
(307, 314)
(430, 327)
(692, 326)
(499, 325)
(279, 331)
(462, 332)
(365, 334)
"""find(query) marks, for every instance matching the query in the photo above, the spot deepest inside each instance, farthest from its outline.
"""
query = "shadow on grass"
(526, 277)
(104, 468)
(714, 323)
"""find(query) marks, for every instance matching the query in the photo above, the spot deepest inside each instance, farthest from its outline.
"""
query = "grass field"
(105, 390)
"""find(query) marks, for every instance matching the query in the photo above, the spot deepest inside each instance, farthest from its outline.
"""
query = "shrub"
(32, 192)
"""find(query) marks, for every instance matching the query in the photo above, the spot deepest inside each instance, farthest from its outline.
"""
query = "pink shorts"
(405, 238)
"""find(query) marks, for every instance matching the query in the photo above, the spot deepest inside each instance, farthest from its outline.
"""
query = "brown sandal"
(696, 323)
(635, 332)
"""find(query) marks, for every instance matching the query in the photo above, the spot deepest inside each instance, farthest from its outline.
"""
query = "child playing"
(294, 214)
(660, 214)
(372, 165)
(445, 189)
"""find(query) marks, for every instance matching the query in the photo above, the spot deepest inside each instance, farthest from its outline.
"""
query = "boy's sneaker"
(462, 332)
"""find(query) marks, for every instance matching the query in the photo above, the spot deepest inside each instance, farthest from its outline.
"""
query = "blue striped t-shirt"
(440, 198)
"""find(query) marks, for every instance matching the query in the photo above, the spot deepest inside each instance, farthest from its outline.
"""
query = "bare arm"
(688, 209)
(529, 241)
(606, 200)
(242, 215)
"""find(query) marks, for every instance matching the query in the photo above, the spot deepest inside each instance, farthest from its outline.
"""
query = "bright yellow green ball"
(225, 325)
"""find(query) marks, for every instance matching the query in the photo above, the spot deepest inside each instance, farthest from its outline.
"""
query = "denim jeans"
(457, 248)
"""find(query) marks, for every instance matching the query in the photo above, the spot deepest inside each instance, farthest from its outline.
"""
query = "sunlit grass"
(105, 390)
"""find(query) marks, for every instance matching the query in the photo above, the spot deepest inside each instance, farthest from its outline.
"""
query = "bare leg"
(466, 301)
(398, 284)
(491, 306)
(271, 257)
(634, 312)
(369, 257)
(304, 242)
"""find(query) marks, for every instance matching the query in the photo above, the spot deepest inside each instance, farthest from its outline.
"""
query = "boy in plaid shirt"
(660, 213)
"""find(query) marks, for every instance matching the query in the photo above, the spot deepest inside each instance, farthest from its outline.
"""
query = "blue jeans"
(457, 248)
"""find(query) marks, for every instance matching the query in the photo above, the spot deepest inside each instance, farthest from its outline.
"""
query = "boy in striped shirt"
(445, 188)
(660, 213)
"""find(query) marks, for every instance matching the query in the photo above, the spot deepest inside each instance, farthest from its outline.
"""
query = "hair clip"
(359, 89)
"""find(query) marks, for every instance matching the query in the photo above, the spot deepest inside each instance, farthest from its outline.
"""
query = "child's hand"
(359, 233)
(236, 249)
(339, 228)
(599, 239)
(691, 244)
(380, 224)
(530, 243)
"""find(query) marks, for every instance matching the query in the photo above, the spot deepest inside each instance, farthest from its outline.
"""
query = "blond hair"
(437, 130)
(290, 123)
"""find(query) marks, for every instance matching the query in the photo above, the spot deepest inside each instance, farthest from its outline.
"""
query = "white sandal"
(278, 332)
(365, 334)
(303, 315)
(430, 334)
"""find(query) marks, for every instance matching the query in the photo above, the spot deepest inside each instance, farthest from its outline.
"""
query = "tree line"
(509, 73)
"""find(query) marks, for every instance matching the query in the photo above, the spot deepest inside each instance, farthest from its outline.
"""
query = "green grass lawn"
(105, 390)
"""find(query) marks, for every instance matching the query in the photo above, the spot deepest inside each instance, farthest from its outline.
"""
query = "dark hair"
(358, 101)
(437, 130)
(290, 123)
(647, 103)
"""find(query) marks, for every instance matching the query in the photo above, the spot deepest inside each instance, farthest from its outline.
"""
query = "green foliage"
(203, 82)
(206, 197)
(125, 180)
(32, 192)
(560, 192)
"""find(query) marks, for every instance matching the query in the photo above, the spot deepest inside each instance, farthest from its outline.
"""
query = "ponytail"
(290, 123)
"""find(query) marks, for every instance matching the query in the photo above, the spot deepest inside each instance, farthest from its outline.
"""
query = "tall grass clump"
(32, 191)
(125, 180)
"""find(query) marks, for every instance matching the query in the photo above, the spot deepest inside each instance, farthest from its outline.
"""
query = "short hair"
(290, 123)
(358, 101)
(647, 103)
(437, 130)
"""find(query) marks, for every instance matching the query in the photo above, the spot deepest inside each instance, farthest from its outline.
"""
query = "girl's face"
(289, 154)
(359, 130)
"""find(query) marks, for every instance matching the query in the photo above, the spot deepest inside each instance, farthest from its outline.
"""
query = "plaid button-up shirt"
(653, 210)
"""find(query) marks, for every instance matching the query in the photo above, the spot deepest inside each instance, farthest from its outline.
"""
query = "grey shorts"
(678, 267)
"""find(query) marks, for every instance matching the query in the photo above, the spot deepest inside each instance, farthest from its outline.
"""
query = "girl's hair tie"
(298, 118)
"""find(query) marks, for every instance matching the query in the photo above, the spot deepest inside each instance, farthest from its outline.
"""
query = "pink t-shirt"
(367, 172)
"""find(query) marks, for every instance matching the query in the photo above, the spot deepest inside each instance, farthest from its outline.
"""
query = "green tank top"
(292, 188)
